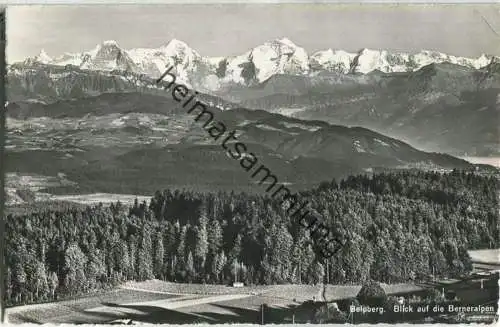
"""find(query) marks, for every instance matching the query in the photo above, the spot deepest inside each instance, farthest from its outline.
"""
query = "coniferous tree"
(219, 264)
(201, 246)
(53, 284)
(145, 257)
(190, 271)
(9, 283)
(19, 279)
(40, 280)
(74, 266)
(159, 265)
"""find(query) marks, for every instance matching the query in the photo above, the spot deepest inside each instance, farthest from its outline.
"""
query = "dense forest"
(397, 227)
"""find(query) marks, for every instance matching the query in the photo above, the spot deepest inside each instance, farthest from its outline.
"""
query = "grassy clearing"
(485, 256)
(156, 301)
(104, 198)
(184, 288)
(245, 310)
(73, 311)
(280, 300)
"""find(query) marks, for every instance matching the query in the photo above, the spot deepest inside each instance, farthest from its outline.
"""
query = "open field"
(491, 256)
(23, 188)
(156, 301)
(286, 292)
(104, 198)
(74, 311)
(485, 260)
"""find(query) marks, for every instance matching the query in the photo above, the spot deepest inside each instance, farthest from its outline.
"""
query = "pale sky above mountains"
(230, 29)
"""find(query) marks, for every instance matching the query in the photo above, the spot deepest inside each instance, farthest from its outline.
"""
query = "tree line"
(398, 227)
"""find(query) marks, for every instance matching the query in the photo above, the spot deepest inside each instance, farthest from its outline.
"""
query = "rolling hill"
(137, 143)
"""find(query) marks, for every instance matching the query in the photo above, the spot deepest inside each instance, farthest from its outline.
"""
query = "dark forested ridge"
(397, 226)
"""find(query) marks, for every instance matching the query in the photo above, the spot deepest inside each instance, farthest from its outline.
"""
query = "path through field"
(149, 291)
(156, 301)
(184, 301)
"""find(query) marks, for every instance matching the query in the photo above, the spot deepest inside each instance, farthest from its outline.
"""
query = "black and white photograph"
(251, 163)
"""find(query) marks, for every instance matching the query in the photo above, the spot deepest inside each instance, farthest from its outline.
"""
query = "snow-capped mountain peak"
(179, 50)
(338, 60)
(43, 57)
(108, 48)
(279, 56)
(176, 44)
(368, 60)
(283, 45)
(110, 43)
(286, 41)
(107, 56)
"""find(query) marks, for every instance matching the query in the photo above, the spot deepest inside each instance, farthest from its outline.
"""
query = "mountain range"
(253, 67)
(100, 119)
(441, 107)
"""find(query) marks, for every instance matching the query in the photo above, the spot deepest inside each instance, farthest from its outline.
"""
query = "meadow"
(156, 301)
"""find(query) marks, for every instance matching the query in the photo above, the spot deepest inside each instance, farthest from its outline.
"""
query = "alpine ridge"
(280, 56)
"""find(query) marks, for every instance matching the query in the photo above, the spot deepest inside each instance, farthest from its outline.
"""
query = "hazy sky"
(229, 29)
